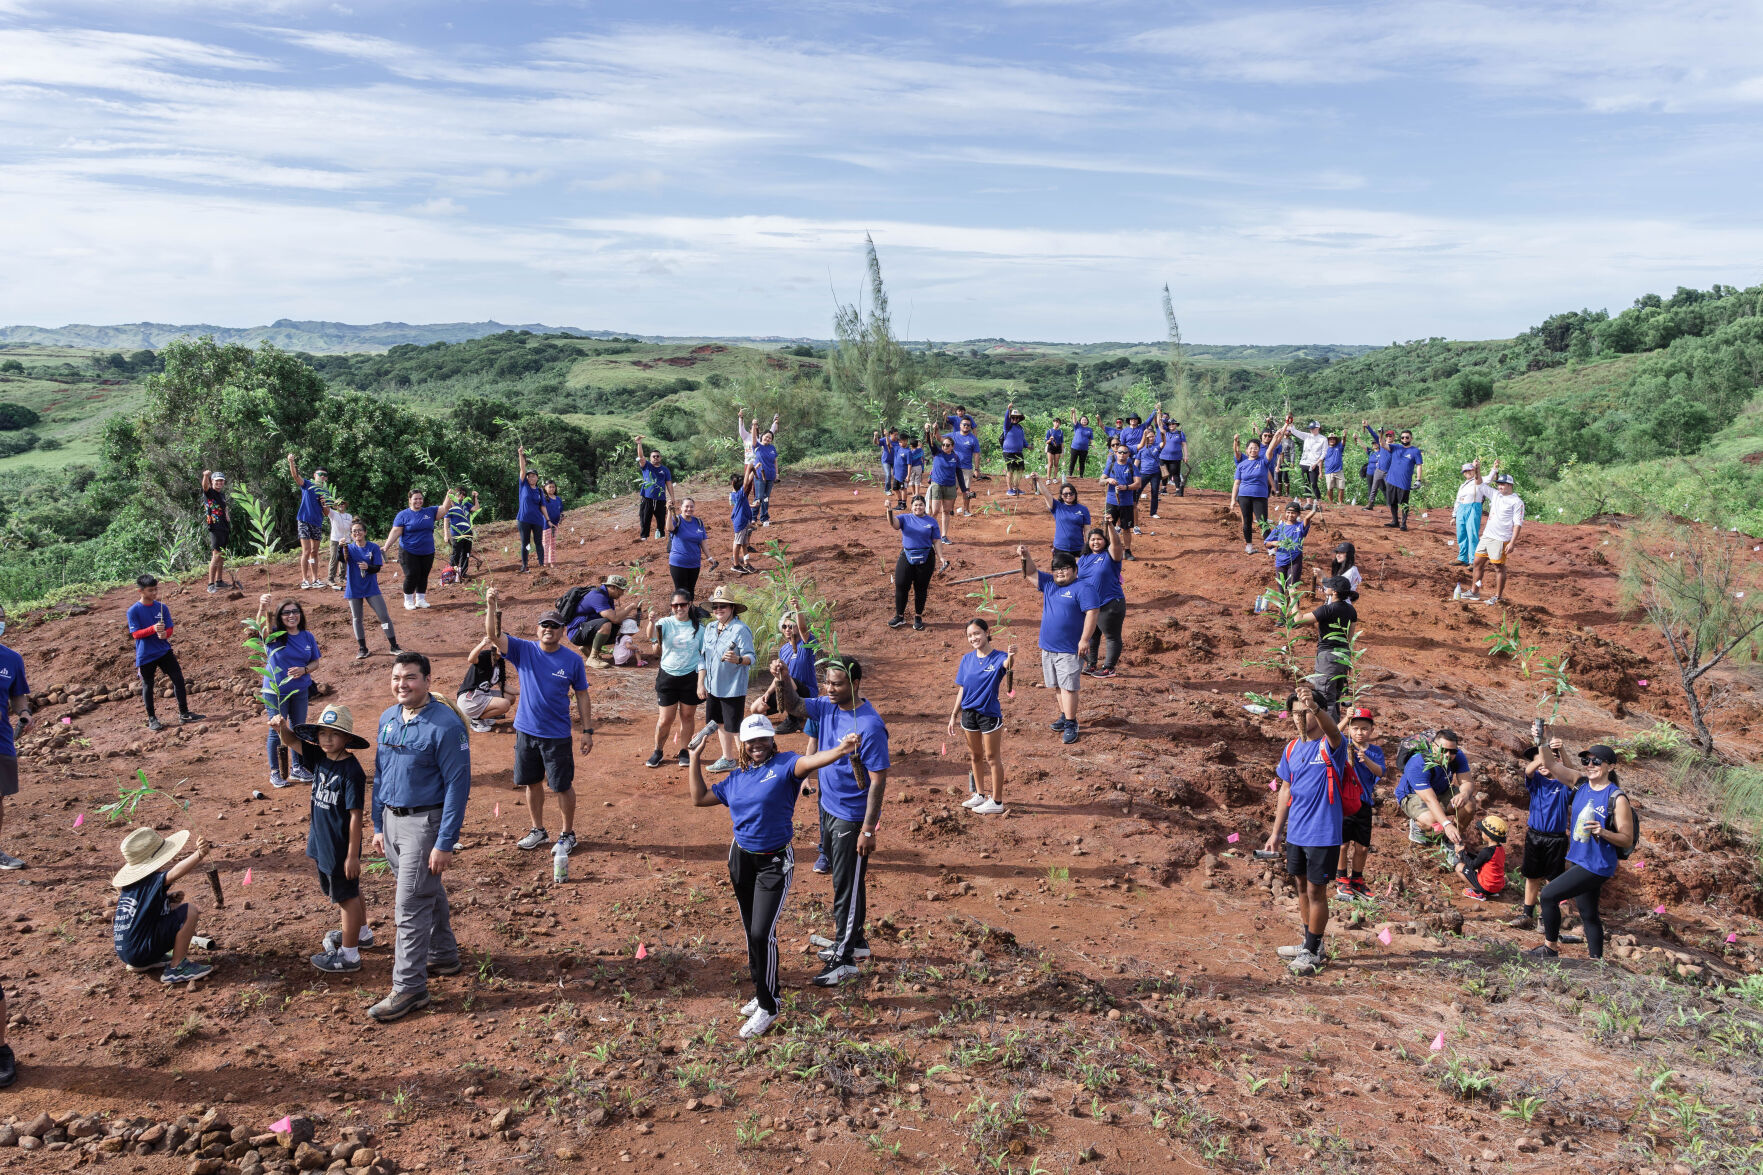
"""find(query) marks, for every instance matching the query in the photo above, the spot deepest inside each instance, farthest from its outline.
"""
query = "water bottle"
(560, 864)
(1457, 592)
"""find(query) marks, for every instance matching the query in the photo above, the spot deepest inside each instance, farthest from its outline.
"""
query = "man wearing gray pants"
(421, 780)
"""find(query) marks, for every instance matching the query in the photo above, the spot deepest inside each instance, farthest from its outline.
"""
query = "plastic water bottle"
(1457, 592)
(560, 864)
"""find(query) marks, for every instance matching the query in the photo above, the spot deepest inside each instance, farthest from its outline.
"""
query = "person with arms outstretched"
(309, 522)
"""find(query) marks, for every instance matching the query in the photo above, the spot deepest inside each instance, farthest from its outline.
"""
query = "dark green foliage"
(1470, 388)
(15, 416)
(14, 443)
(11, 367)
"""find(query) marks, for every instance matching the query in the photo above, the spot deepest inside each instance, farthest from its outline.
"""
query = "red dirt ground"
(1088, 979)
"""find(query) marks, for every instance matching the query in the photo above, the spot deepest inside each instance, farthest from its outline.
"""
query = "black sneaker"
(186, 717)
(834, 974)
(684, 760)
(654, 759)
(897, 622)
(918, 624)
(8, 1066)
(361, 654)
(1543, 952)
(1057, 724)
(155, 724)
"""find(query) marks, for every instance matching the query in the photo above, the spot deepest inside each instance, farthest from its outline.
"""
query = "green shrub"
(17, 416)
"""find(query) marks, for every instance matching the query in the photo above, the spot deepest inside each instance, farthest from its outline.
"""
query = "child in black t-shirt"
(339, 791)
(152, 928)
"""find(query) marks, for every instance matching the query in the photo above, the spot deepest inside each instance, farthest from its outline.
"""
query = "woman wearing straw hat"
(148, 931)
(725, 658)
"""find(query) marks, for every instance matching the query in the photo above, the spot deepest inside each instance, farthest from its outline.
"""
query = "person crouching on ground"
(149, 931)
(339, 794)
(1310, 810)
(1484, 866)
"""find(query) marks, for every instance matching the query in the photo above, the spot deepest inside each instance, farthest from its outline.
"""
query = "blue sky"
(1028, 168)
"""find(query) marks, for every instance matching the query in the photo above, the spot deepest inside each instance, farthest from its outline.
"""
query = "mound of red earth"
(1087, 978)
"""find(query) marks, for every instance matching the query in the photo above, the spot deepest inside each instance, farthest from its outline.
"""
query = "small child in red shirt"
(1485, 868)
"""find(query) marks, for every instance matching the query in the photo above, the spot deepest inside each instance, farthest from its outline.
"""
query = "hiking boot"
(1522, 921)
(333, 939)
(185, 971)
(398, 1005)
(533, 839)
(452, 967)
(335, 962)
(834, 974)
(597, 663)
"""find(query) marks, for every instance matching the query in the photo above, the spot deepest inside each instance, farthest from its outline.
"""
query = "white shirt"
(1505, 516)
(1352, 576)
(1315, 448)
(1477, 490)
(340, 524)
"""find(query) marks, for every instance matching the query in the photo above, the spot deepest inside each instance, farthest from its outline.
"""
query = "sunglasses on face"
(682, 603)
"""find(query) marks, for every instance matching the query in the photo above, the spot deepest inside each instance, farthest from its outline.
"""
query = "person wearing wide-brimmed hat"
(150, 932)
(339, 793)
(725, 658)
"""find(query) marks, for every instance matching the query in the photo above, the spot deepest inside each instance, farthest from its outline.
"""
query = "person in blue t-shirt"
(761, 798)
(945, 479)
(1601, 832)
(685, 547)
(1545, 833)
(978, 680)
(1250, 487)
(1334, 469)
(1012, 442)
(1377, 461)
(1173, 453)
(655, 495)
(1310, 810)
(1054, 441)
(887, 441)
(765, 471)
(902, 470)
(918, 561)
(740, 519)
(459, 526)
(151, 626)
(915, 467)
(1366, 759)
(549, 673)
(1285, 542)
(1433, 791)
(1122, 480)
(967, 452)
(529, 514)
(600, 616)
(362, 561)
(1402, 477)
(1068, 633)
(1081, 433)
(794, 659)
(1099, 566)
(1070, 518)
(1149, 467)
(552, 503)
(309, 522)
(15, 700)
(289, 653)
(413, 537)
(1132, 433)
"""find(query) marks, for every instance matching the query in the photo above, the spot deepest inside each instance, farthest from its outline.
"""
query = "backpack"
(1352, 797)
(1414, 744)
(571, 600)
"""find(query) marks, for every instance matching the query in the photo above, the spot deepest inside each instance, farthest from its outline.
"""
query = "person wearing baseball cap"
(149, 932)
(542, 753)
(1603, 832)
(599, 617)
(1365, 759)
(219, 519)
(1315, 448)
(1498, 537)
(760, 794)
(1467, 513)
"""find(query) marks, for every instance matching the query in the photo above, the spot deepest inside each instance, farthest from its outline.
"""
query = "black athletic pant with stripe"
(850, 875)
(762, 884)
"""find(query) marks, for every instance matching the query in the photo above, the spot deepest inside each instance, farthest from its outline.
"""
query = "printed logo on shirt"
(560, 673)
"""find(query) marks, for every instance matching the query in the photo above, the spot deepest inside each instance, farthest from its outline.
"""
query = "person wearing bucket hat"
(542, 753)
(1011, 443)
(760, 794)
(1334, 470)
(333, 841)
(218, 518)
(1471, 495)
(725, 659)
(148, 931)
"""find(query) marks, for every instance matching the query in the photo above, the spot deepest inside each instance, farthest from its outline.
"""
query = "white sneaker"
(758, 1024)
(409, 602)
(1248, 548)
(974, 800)
(751, 1006)
(422, 600)
(305, 585)
(1290, 952)
(988, 807)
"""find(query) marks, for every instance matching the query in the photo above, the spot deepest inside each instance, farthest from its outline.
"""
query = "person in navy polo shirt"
(542, 753)
(309, 521)
(1434, 787)
(655, 493)
(151, 625)
(1068, 632)
(760, 795)
(1309, 810)
(1070, 518)
(1545, 832)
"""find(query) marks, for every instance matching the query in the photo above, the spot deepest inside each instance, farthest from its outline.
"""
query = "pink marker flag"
(1658, 909)
(79, 820)
(285, 1126)
(945, 749)
(498, 807)
(1383, 936)
(1640, 864)
(1272, 785)
(1732, 938)
(1642, 683)
(66, 721)
(1438, 1043)
(1013, 693)
(1233, 838)
(247, 880)
(642, 951)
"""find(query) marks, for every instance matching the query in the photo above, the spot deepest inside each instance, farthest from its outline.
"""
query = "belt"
(413, 811)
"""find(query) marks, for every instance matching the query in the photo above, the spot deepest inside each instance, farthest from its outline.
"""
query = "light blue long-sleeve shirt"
(722, 680)
(421, 761)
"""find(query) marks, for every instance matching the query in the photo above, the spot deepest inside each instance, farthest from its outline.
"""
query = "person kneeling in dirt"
(1311, 773)
(1434, 784)
(1483, 866)
(339, 792)
(149, 931)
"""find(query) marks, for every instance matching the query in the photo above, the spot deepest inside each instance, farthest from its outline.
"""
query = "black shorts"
(1055, 449)
(308, 530)
(8, 775)
(729, 712)
(218, 535)
(337, 888)
(1545, 855)
(1014, 462)
(1316, 865)
(549, 759)
(676, 689)
(1121, 515)
(980, 721)
(163, 938)
(584, 634)
(1356, 829)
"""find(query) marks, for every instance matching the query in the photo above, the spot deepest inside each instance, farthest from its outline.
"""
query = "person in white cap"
(149, 932)
(1470, 496)
(1498, 537)
(219, 520)
(1315, 449)
(760, 795)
